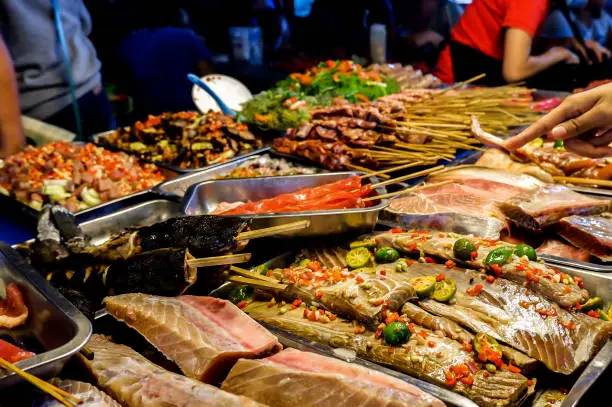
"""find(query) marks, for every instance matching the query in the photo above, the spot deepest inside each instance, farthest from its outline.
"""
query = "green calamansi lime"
(424, 285)
(526, 250)
(463, 249)
(359, 257)
(386, 255)
(396, 333)
(444, 290)
(498, 256)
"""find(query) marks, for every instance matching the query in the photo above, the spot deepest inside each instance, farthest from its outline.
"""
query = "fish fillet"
(516, 316)
(90, 395)
(204, 336)
(519, 270)
(136, 382)
(545, 206)
(294, 378)
(498, 159)
(590, 233)
(554, 247)
(429, 363)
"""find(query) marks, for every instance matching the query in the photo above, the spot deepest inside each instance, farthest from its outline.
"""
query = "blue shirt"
(556, 26)
(157, 62)
(28, 28)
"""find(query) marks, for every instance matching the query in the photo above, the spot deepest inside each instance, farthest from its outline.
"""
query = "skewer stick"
(60, 395)
(409, 176)
(249, 274)
(370, 172)
(585, 181)
(460, 84)
(407, 191)
(393, 169)
(257, 283)
(274, 230)
(219, 260)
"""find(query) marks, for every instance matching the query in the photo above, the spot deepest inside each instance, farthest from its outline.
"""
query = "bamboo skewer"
(393, 169)
(409, 176)
(370, 172)
(60, 395)
(219, 260)
(249, 274)
(274, 230)
(407, 191)
(584, 181)
(257, 283)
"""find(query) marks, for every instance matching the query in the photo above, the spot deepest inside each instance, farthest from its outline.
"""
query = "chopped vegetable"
(444, 290)
(396, 333)
(359, 257)
(482, 342)
(603, 315)
(526, 250)
(240, 293)
(386, 255)
(592, 304)
(304, 262)
(261, 269)
(499, 256)
(401, 266)
(424, 286)
(463, 248)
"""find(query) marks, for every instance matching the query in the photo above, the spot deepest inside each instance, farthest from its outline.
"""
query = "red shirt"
(481, 27)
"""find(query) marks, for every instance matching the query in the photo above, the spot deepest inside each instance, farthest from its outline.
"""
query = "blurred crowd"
(142, 50)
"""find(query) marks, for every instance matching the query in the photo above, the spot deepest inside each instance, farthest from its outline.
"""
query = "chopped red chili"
(440, 277)
(242, 304)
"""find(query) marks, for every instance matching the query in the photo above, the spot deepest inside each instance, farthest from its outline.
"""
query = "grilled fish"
(429, 362)
(590, 233)
(541, 278)
(515, 315)
(537, 209)
(306, 379)
(135, 382)
(204, 336)
(89, 395)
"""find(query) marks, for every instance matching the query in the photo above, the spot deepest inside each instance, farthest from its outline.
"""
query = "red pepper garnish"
(383, 272)
(468, 380)
(242, 304)
(579, 282)
(514, 369)
(496, 269)
(593, 314)
(530, 382)
(359, 280)
(490, 279)
(397, 230)
(431, 344)
(473, 256)
(569, 325)
(412, 247)
(430, 260)
(450, 264)
(296, 303)
(440, 277)
(318, 294)
(474, 291)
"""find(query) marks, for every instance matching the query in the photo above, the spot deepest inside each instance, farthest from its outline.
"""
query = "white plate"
(230, 90)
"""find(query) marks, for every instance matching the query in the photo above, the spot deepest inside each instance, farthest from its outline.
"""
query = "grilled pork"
(135, 382)
(204, 336)
(306, 379)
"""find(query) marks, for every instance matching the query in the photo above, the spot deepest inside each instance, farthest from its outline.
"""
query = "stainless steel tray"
(204, 197)
(54, 325)
(598, 284)
(179, 185)
(100, 140)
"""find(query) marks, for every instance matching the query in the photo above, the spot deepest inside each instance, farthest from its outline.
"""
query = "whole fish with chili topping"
(590, 233)
(205, 336)
(136, 382)
(547, 281)
(515, 315)
(361, 296)
(436, 359)
(291, 376)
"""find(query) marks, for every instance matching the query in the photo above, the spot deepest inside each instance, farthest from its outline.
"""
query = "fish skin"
(136, 382)
(590, 233)
(441, 245)
(501, 389)
(89, 395)
(497, 311)
(348, 297)
(535, 210)
(320, 381)
(185, 331)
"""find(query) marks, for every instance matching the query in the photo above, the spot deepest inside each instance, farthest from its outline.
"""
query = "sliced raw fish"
(136, 382)
(499, 159)
(517, 316)
(306, 379)
(452, 208)
(590, 233)
(554, 247)
(545, 206)
(430, 363)
(89, 394)
(204, 336)
(541, 278)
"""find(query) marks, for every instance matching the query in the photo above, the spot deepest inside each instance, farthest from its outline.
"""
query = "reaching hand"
(584, 120)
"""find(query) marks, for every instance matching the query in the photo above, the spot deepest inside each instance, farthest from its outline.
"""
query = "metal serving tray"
(204, 197)
(598, 284)
(179, 185)
(100, 140)
(55, 329)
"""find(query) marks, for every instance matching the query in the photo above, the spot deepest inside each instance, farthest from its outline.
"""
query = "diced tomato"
(450, 379)
(431, 344)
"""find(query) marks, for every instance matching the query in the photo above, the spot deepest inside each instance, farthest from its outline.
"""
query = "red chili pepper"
(468, 380)
(359, 280)
(473, 256)
(397, 230)
(579, 282)
(318, 294)
(296, 303)
(440, 277)
(475, 290)
(514, 369)
(450, 264)
(383, 272)
(490, 279)
(593, 314)
(496, 269)
(430, 260)
(242, 304)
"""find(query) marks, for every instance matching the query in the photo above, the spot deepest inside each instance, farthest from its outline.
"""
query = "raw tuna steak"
(590, 233)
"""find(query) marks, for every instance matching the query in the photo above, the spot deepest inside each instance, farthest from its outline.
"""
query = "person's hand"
(583, 120)
(599, 50)
(567, 56)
